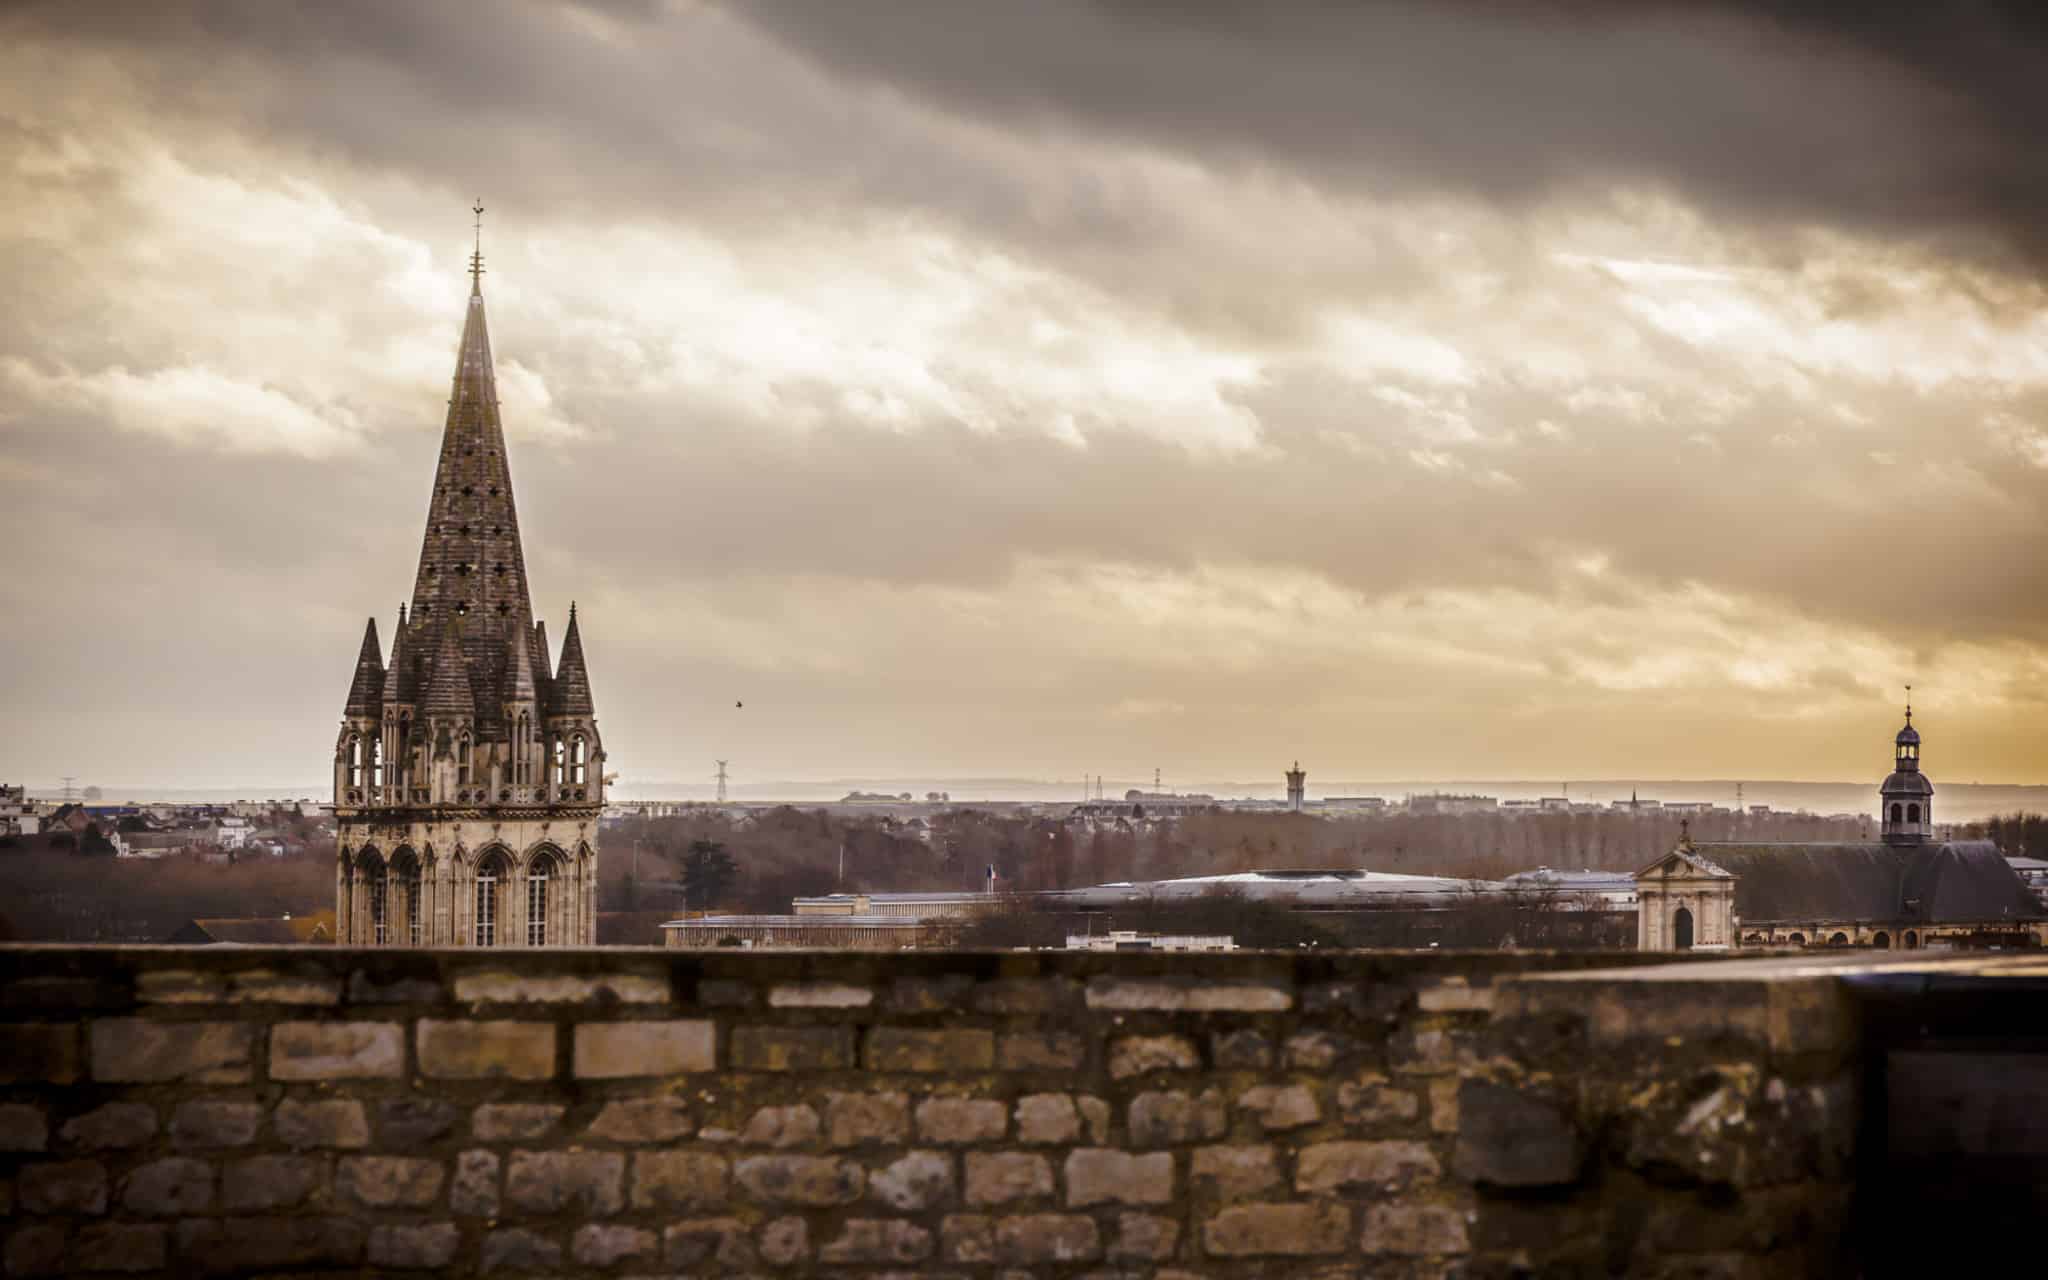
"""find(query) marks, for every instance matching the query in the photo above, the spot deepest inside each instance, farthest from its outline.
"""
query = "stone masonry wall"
(196, 1111)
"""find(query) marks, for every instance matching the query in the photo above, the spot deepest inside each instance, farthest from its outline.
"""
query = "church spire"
(476, 258)
(367, 689)
(571, 692)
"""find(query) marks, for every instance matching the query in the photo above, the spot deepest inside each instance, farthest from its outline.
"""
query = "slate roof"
(258, 932)
(1953, 882)
(367, 688)
(571, 691)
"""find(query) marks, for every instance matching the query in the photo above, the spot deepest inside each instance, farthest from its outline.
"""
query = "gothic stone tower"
(467, 778)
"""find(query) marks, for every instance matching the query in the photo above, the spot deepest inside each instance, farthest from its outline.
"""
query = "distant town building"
(1297, 785)
(1436, 802)
(1130, 940)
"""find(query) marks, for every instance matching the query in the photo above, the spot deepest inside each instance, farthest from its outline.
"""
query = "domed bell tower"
(1906, 800)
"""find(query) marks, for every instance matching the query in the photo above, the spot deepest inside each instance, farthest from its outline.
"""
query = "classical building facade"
(468, 774)
(1907, 890)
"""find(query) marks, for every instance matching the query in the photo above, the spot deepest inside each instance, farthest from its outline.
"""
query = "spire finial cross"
(476, 258)
(1909, 704)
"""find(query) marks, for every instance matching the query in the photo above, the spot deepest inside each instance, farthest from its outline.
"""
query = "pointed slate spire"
(448, 691)
(519, 685)
(571, 693)
(399, 685)
(543, 675)
(366, 691)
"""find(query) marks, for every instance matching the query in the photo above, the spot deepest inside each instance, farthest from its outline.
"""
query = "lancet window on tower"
(578, 760)
(355, 761)
(490, 874)
(538, 884)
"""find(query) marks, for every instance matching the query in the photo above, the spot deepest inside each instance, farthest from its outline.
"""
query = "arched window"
(540, 885)
(1912, 813)
(462, 761)
(376, 886)
(491, 872)
(401, 761)
(1797, 939)
(1895, 814)
(522, 740)
(405, 871)
(355, 760)
(1839, 940)
(1911, 940)
(1881, 940)
(559, 773)
(376, 762)
(578, 761)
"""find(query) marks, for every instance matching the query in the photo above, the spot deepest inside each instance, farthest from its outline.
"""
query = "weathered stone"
(1334, 1166)
(254, 986)
(383, 1182)
(908, 1049)
(23, 1128)
(64, 1186)
(614, 1050)
(792, 1048)
(1173, 1118)
(1095, 1115)
(1414, 1229)
(270, 1182)
(1443, 1106)
(590, 1182)
(115, 1125)
(1236, 1173)
(364, 988)
(249, 1244)
(678, 1179)
(864, 1119)
(1279, 1107)
(171, 1188)
(1045, 1119)
(513, 1121)
(1004, 1177)
(516, 1249)
(791, 1126)
(957, 1121)
(1101, 1175)
(486, 1050)
(1187, 995)
(1424, 1051)
(41, 1053)
(919, 1180)
(725, 993)
(967, 1238)
(1507, 1138)
(414, 1121)
(414, 1247)
(144, 1051)
(120, 1246)
(337, 1122)
(1315, 1050)
(657, 1119)
(1041, 1051)
(722, 1240)
(498, 986)
(1140, 1055)
(215, 1124)
(1277, 1230)
(1047, 1237)
(785, 1241)
(1241, 1050)
(1455, 995)
(945, 993)
(877, 1240)
(474, 1193)
(607, 1245)
(1143, 1237)
(1371, 1103)
(806, 1180)
(819, 995)
(39, 1249)
(337, 1050)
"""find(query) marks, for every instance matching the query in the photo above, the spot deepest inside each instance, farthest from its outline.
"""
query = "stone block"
(968, 1238)
(1170, 1118)
(820, 995)
(1101, 1175)
(791, 1126)
(254, 986)
(337, 1122)
(1424, 1051)
(1241, 1050)
(866, 1119)
(1278, 1107)
(386, 1182)
(256, 1244)
(678, 1180)
(486, 1049)
(919, 1180)
(1236, 1172)
(1315, 1050)
(1507, 1138)
(40, 1053)
(608, 1245)
(587, 1182)
(636, 1120)
(215, 1124)
(1143, 1237)
(958, 1121)
(1277, 1230)
(1039, 996)
(115, 1125)
(517, 1249)
(1047, 1119)
(23, 1127)
(1454, 995)
(1186, 995)
(1095, 1115)
(1443, 1106)
(144, 1051)
(1141, 1055)
(817, 1181)
(725, 993)
(39, 1249)
(910, 1049)
(177, 1187)
(364, 988)
(120, 1246)
(1371, 1103)
(337, 1051)
(1326, 1167)
(783, 1242)
(430, 1246)
(63, 1186)
(792, 1048)
(261, 1183)
(1414, 1230)
(1005, 1177)
(946, 993)
(614, 1050)
(877, 1241)
(414, 1121)
(513, 1121)
(1041, 1051)
(474, 1192)
(1033, 1239)
(500, 986)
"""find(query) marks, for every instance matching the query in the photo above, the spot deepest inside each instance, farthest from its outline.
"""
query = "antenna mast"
(720, 775)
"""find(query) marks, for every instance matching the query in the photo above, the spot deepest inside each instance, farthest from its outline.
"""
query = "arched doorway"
(1797, 939)
(1881, 940)
(1681, 929)
(1912, 940)
(1839, 940)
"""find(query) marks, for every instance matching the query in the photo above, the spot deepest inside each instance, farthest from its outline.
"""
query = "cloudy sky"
(1590, 389)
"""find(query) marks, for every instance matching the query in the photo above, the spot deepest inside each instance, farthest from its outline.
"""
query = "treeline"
(53, 896)
(2017, 835)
